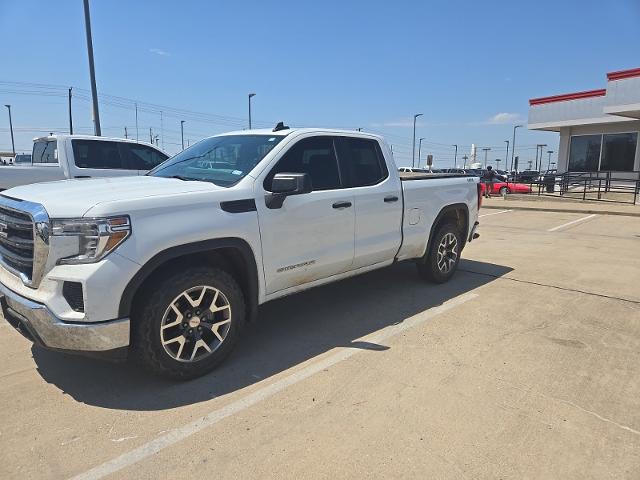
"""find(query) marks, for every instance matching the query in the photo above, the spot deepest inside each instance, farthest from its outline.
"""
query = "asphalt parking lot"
(526, 365)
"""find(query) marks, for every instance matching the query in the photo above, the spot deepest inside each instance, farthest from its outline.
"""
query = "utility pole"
(548, 164)
(513, 144)
(92, 72)
(413, 158)
(486, 151)
(150, 136)
(182, 132)
(70, 117)
(137, 137)
(419, 149)
(250, 96)
(13, 145)
(455, 157)
(125, 133)
(161, 129)
(506, 155)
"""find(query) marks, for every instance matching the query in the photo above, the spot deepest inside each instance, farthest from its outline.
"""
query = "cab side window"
(141, 157)
(97, 154)
(315, 156)
(362, 161)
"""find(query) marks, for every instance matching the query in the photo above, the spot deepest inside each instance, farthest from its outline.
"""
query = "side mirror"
(287, 184)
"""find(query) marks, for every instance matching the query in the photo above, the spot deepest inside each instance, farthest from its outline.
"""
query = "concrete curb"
(562, 210)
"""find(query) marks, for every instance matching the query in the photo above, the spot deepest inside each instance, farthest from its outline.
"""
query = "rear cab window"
(45, 152)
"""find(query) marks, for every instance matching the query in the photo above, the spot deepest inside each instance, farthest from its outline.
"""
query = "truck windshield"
(223, 160)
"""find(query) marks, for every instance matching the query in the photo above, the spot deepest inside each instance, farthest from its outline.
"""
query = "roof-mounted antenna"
(280, 126)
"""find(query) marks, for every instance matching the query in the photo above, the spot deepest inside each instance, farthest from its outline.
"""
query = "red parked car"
(500, 188)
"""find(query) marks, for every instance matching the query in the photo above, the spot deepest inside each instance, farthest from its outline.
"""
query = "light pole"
(455, 157)
(506, 155)
(513, 144)
(486, 151)
(549, 163)
(250, 96)
(541, 147)
(92, 71)
(13, 145)
(419, 149)
(182, 132)
(413, 157)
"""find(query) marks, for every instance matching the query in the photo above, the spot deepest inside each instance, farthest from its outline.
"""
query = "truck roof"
(288, 131)
(92, 137)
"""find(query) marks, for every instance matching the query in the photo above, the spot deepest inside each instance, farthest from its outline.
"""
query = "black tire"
(504, 191)
(149, 312)
(428, 266)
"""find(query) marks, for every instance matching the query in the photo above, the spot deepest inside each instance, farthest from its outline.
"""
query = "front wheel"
(189, 322)
(441, 261)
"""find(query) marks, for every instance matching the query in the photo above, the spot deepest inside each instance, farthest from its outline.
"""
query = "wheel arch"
(456, 213)
(233, 255)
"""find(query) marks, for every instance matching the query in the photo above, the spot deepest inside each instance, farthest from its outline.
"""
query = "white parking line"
(559, 227)
(181, 433)
(494, 213)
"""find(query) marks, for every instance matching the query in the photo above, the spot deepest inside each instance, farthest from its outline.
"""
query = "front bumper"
(37, 323)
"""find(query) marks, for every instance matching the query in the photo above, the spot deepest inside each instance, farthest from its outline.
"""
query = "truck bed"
(405, 176)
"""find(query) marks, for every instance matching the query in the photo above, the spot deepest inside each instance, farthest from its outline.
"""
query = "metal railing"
(607, 186)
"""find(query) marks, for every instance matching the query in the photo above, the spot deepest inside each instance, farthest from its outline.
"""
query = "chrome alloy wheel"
(195, 324)
(447, 253)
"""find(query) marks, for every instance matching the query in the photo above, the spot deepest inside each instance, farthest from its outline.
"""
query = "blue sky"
(469, 66)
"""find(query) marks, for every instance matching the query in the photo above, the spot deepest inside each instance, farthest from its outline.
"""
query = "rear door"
(311, 236)
(378, 202)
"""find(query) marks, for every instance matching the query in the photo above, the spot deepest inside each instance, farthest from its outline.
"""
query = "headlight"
(97, 237)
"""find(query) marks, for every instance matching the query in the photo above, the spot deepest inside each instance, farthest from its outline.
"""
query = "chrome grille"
(16, 241)
(24, 239)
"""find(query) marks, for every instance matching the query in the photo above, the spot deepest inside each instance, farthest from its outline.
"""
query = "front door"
(312, 235)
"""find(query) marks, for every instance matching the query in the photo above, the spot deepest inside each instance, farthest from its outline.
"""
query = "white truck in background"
(170, 266)
(60, 157)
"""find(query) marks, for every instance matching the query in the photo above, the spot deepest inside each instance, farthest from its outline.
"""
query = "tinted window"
(315, 156)
(97, 154)
(619, 151)
(584, 153)
(45, 152)
(141, 157)
(362, 162)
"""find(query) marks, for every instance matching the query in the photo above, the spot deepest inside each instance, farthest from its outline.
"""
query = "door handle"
(391, 198)
(341, 205)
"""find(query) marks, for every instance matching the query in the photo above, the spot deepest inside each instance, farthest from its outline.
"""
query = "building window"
(608, 152)
(619, 151)
(584, 153)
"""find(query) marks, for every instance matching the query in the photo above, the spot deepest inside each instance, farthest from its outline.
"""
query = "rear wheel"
(504, 191)
(189, 322)
(441, 261)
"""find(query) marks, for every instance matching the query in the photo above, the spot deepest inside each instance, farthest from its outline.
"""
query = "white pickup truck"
(59, 157)
(168, 267)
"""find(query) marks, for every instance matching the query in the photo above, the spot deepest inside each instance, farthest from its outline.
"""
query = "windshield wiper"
(185, 179)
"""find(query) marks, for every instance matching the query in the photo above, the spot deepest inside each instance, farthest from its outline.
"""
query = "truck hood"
(73, 198)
